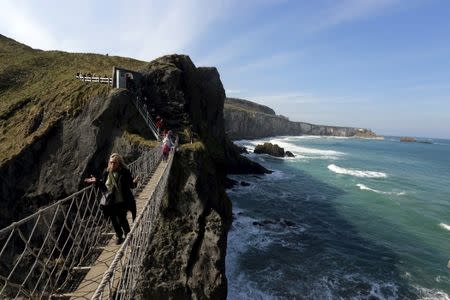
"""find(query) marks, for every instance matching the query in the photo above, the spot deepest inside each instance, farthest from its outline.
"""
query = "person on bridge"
(117, 179)
(159, 125)
(167, 145)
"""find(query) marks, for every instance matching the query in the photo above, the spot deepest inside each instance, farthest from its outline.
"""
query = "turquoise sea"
(345, 219)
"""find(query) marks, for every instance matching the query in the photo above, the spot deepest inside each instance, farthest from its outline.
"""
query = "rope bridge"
(44, 255)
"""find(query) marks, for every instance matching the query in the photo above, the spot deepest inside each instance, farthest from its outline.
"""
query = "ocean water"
(345, 219)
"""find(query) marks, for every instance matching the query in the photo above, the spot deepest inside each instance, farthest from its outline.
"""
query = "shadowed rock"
(289, 154)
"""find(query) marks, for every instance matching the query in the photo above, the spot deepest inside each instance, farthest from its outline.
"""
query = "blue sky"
(378, 64)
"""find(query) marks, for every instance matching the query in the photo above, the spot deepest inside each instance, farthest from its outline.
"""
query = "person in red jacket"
(159, 125)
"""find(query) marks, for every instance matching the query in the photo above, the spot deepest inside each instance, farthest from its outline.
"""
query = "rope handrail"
(39, 250)
(20, 222)
(141, 107)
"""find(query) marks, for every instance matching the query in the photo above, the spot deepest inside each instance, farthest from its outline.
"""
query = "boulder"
(269, 148)
(289, 154)
(242, 149)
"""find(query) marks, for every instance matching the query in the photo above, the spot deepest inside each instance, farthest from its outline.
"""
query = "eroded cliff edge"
(247, 120)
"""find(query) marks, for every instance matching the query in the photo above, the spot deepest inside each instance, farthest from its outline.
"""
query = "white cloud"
(347, 11)
(139, 29)
(18, 22)
(271, 61)
(306, 97)
(351, 10)
(230, 50)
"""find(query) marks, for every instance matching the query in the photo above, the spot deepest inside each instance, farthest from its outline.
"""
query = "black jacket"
(125, 184)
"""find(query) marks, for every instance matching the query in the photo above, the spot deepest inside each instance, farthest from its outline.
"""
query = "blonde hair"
(117, 157)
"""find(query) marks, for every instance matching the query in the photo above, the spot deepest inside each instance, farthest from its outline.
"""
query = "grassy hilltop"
(38, 87)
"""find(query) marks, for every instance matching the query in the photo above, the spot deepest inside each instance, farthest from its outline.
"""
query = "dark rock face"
(54, 166)
(269, 148)
(187, 251)
(240, 124)
(229, 183)
(242, 149)
(289, 154)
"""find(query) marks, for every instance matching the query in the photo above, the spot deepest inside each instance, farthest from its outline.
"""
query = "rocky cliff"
(187, 251)
(250, 121)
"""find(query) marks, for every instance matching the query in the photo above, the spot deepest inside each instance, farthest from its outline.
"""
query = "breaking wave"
(300, 152)
(357, 173)
(366, 188)
(445, 226)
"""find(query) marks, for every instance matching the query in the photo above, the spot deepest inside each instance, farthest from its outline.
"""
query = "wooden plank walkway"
(93, 278)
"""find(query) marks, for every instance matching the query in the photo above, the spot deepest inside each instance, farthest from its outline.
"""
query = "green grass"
(247, 106)
(196, 146)
(137, 139)
(35, 82)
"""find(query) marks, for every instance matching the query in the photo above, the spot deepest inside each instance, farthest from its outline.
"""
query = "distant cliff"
(248, 120)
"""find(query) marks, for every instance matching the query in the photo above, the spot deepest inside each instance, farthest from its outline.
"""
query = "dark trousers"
(119, 220)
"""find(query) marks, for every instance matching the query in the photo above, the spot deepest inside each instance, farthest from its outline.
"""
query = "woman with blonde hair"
(117, 179)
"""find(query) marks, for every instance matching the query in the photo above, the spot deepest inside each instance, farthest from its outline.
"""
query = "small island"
(407, 139)
(273, 150)
(414, 140)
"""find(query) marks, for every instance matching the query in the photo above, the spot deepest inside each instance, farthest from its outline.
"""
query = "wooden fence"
(95, 79)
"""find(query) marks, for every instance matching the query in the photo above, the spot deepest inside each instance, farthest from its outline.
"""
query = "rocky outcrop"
(249, 124)
(408, 139)
(269, 148)
(289, 154)
(187, 252)
(186, 259)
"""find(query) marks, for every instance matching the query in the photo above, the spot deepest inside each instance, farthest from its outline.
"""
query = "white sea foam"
(330, 287)
(445, 226)
(366, 188)
(304, 150)
(301, 152)
(431, 294)
(357, 173)
(242, 236)
(288, 143)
